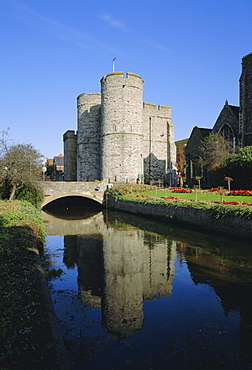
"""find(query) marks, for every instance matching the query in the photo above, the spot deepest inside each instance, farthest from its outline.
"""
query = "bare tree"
(20, 165)
(215, 150)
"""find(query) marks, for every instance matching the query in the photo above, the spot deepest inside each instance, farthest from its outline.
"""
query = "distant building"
(233, 123)
(58, 163)
(119, 137)
(55, 167)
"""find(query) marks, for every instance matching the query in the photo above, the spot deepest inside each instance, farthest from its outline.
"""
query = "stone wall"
(202, 219)
(158, 141)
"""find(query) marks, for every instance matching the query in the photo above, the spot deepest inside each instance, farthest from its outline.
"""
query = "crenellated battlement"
(89, 96)
(155, 107)
(149, 106)
(88, 100)
(164, 107)
(128, 75)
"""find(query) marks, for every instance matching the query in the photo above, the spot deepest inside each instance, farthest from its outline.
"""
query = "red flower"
(180, 190)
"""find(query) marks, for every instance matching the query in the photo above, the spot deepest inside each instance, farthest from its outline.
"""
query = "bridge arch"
(54, 190)
(51, 198)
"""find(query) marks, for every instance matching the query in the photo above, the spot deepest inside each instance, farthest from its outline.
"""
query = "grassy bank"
(219, 204)
(25, 335)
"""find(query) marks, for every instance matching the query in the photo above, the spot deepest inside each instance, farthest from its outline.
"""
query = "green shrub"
(30, 194)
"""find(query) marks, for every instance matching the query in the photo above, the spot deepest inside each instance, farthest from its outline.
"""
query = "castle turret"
(70, 146)
(121, 127)
(88, 142)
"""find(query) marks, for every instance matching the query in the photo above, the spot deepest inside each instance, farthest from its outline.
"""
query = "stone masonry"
(245, 119)
(119, 137)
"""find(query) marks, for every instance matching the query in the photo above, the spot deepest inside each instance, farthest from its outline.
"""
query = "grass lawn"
(198, 195)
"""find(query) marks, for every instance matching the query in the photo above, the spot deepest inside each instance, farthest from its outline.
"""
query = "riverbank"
(29, 332)
(198, 216)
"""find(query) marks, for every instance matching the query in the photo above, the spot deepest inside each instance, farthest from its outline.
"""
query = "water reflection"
(118, 268)
(123, 261)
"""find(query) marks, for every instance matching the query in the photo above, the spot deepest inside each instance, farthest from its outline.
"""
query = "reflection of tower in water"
(90, 268)
(159, 273)
(120, 269)
(122, 310)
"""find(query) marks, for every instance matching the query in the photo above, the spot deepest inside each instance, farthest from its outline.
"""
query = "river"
(137, 294)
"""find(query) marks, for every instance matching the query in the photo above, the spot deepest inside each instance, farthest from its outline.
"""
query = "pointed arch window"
(227, 132)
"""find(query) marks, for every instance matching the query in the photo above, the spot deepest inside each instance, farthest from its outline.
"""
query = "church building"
(233, 123)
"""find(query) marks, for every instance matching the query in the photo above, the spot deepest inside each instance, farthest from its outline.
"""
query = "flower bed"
(181, 190)
(185, 200)
(231, 192)
(240, 192)
(235, 203)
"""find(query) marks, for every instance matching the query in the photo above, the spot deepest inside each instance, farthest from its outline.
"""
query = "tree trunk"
(13, 190)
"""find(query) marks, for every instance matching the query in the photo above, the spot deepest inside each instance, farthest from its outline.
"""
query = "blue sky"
(187, 51)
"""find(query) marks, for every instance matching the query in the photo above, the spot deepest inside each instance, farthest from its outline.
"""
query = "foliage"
(242, 159)
(25, 336)
(18, 212)
(237, 166)
(119, 190)
(181, 162)
(31, 195)
(215, 150)
(20, 171)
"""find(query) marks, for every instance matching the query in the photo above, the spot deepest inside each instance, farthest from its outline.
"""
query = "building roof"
(204, 131)
(235, 110)
(59, 160)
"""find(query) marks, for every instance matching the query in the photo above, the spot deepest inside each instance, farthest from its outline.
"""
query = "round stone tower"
(121, 127)
(88, 142)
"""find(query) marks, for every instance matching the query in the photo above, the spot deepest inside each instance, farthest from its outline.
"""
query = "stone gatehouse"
(118, 136)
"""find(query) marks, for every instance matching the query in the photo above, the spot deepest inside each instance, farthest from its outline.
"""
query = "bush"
(31, 195)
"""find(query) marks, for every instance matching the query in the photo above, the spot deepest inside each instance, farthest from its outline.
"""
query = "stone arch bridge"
(54, 190)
